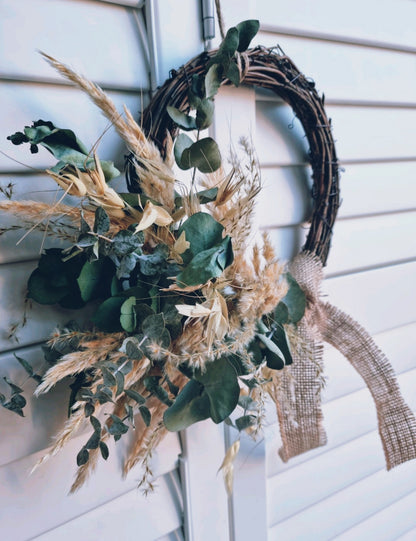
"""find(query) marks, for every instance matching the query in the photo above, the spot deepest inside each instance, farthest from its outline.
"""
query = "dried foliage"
(190, 321)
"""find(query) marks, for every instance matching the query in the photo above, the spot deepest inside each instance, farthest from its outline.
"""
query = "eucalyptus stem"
(194, 171)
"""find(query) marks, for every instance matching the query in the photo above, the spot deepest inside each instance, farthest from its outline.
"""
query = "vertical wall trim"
(153, 49)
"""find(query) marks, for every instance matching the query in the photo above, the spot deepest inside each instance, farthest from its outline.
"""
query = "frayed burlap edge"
(298, 400)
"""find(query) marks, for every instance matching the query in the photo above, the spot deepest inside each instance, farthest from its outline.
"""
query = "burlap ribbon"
(298, 400)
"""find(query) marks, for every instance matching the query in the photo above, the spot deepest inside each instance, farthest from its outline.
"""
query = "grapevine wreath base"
(190, 323)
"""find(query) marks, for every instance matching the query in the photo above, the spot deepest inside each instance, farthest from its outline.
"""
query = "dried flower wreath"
(189, 322)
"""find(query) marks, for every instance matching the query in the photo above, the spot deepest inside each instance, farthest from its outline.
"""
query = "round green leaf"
(41, 290)
(182, 143)
(107, 317)
(213, 80)
(220, 382)
(202, 232)
(184, 121)
(190, 406)
(128, 314)
(295, 299)
(204, 114)
(207, 264)
(246, 32)
(95, 278)
(274, 356)
(203, 154)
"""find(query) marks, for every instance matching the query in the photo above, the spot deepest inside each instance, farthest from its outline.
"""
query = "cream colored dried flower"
(153, 214)
(92, 184)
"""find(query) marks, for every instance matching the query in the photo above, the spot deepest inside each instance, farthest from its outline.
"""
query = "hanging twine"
(220, 18)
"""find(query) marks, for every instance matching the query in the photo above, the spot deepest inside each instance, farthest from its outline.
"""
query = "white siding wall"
(102, 40)
(362, 55)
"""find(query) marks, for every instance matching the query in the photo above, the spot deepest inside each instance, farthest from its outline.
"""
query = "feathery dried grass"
(74, 363)
(155, 175)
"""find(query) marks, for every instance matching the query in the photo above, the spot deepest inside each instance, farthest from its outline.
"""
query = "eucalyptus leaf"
(146, 415)
(220, 382)
(190, 406)
(274, 356)
(247, 402)
(233, 74)
(295, 299)
(95, 279)
(134, 395)
(107, 316)
(204, 114)
(152, 385)
(116, 427)
(202, 231)
(182, 143)
(89, 409)
(245, 422)
(128, 314)
(213, 80)
(227, 48)
(246, 32)
(101, 221)
(15, 389)
(207, 264)
(94, 441)
(64, 145)
(108, 377)
(281, 313)
(104, 450)
(28, 368)
(119, 382)
(207, 196)
(184, 121)
(82, 457)
(126, 242)
(204, 154)
(279, 337)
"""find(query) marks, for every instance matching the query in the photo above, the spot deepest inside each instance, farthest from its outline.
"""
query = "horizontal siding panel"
(355, 243)
(384, 21)
(346, 420)
(285, 197)
(373, 133)
(298, 488)
(360, 133)
(386, 525)
(287, 241)
(344, 508)
(366, 189)
(20, 491)
(280, 138)
(74, 33)
(124, 517)
(350, 73)
(379, 299)
(30, 434)
(369, 242)
(408, 536)
(377, 188)
(66, 108)
(14, 246)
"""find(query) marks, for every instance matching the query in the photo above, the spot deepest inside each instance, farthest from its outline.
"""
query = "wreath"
(189, 322)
